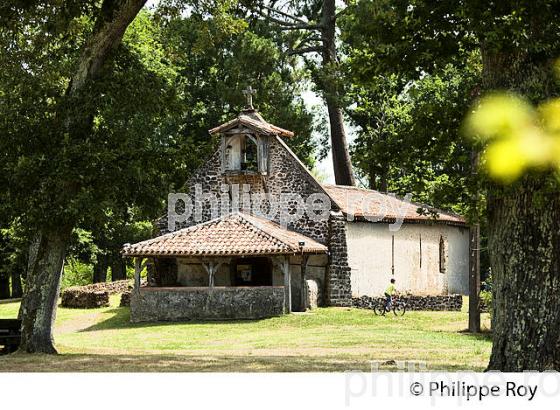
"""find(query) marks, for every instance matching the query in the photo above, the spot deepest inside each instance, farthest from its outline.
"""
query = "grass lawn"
(326, 339)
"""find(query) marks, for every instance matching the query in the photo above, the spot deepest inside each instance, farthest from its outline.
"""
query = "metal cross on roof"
(248, 93)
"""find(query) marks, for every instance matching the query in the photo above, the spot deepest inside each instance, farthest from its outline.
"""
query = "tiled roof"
(252, 119)
(377, 206)
(231, 235)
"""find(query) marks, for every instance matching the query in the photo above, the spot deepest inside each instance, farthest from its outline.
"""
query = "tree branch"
(309, 37)
(287, 25)
(274, 19)
(108, 32)
(303, 27)
(305, 50)
(282, 13)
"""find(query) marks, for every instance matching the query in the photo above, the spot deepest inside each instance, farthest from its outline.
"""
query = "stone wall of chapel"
(286, 175)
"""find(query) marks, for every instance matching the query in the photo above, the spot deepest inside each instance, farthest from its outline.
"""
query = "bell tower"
(245, 140)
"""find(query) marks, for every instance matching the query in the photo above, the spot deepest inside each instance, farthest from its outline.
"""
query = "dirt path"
(78, 323)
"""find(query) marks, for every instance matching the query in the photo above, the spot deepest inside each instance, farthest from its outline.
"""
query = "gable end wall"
(286, 174)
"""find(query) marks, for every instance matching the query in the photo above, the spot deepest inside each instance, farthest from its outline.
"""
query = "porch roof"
(234, 234)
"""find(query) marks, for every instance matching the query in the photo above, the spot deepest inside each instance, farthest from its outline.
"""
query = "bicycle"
(397, 306)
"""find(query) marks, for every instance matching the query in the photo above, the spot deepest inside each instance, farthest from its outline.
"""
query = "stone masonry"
(439, 302)
(171, 304)
(286, 174)
(338, 290)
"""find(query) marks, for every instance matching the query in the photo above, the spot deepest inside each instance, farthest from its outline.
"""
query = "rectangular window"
(442, 255)
(240, 153)
(393, 255)
(420, 251)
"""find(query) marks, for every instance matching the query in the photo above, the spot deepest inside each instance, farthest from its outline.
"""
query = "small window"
(442, 255)
(240, 153)
(249, 155)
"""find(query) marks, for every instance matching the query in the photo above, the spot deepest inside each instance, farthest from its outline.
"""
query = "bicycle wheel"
(379, 309)
(399, 309)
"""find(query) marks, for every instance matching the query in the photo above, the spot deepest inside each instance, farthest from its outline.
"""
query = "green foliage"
(139, 128)
(518, 137)
(14, 243)
(211, 78)
(107, 164)
(409, 138)
(516, 40)
(76, 273)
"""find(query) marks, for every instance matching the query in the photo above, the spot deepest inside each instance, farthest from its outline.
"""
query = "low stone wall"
(125, 299)
(438, 302)
(80, 298)
(177, 304)
(94, 295)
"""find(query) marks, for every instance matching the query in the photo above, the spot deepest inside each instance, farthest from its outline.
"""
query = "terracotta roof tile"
(377, 206)
(230, 235)
(252, 119)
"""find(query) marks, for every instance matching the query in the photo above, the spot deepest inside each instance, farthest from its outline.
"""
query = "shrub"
(76, 273)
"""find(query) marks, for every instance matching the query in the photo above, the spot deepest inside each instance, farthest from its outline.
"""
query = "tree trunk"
(100, 269)
(17, 290)
(524, 239)
(118, 268)
(372, 176)
(524, 243)
(342, 165)
(115, 17)
(384, 182)
(38, 307)
(4, 286)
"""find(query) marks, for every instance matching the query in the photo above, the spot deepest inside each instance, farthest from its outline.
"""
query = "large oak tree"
(87, 142)
(62, 191)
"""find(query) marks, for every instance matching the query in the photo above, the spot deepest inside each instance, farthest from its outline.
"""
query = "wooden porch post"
(474, 279)
(304, 260)
(137, 270)
(285, 265)
(211, 272)
(212, 268)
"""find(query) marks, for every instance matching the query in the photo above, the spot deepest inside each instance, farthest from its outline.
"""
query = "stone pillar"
(338, 286)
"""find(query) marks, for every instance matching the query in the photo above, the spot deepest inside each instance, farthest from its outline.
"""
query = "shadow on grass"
(485, 335)
(21, 362)
(121, 320)
(4, 301)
